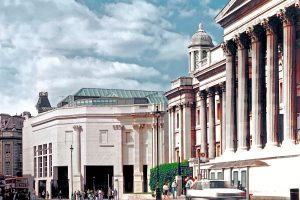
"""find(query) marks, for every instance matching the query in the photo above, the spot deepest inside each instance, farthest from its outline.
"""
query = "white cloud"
(61, 46)
(187, 12)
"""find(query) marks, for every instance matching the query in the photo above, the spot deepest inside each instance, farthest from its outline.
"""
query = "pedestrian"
(108, 193)
(43, 194)
(193, 186)
(115, 194)
(165, 191)
(189, 183)
(33, 194)
(59, 194)
(174, 189)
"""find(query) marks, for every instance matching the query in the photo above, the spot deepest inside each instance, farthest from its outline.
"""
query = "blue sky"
(62, 46)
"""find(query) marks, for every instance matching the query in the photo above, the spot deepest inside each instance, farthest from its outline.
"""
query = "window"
(177, 120)
(204, 54)
(220, 176)
(45, 165)
(243, 178)
(198, 117)
(40, 164)
(212, 176)
(34, 167)
(44, 149)
(196, 59)
(235, 178)
(50, 148)
(7, 148)
(40, 150)
(34, 151)
(218, 111)
(129, 138)
(177, 155)
(7, 168)
(50, 165)
(103, 136)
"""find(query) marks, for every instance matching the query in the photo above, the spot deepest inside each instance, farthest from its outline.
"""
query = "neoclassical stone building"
(94, 139)
(239, 106)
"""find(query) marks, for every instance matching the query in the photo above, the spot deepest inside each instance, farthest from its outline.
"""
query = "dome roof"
(201, 38)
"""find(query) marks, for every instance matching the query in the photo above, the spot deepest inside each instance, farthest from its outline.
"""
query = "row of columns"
(239, 123)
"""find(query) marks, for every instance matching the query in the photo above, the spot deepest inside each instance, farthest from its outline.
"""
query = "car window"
(217, 184)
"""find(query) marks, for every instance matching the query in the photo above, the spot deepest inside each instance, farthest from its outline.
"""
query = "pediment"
(236, 9)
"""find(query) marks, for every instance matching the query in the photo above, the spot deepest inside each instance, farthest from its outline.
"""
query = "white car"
(214, 189)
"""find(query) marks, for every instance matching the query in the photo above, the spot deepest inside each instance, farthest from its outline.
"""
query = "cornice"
(211, 70)
(179, 90)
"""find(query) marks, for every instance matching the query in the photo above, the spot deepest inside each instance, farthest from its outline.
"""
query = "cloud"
(187, 12)
(62, 46)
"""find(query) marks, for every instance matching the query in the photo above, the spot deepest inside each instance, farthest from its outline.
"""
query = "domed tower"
(201, 42)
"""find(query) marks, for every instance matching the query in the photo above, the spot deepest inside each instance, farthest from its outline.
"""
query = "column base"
(138, 183)
(271, 145)
(287, 143)
(242, 149)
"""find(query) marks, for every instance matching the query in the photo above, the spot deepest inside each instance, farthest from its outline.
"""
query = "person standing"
(165, 191)
(174, 189)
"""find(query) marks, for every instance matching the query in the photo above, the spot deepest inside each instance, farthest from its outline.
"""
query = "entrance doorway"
(128, 178)
(99, 177)
(42, 188)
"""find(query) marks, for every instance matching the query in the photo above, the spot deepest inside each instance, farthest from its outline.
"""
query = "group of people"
(168, 189)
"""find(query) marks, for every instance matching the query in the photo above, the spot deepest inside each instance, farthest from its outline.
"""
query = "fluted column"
(212, 122)
(271, 26)
(289, 75)
(256, 34)
(203, 122)
(137, 174)
(171, 147)
(243, 41)
(230, 50)
(223, 118)
(77, 148)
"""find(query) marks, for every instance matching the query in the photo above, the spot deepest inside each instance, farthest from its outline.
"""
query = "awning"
(239, 164)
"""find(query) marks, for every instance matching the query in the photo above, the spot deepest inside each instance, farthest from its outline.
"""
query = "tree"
(167, 173)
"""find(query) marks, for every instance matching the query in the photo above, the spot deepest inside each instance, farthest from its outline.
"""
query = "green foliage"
(167, 173)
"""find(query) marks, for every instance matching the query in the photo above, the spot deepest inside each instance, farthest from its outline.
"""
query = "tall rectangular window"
(34, 151)
(34, 167)
(50, 148)
(40, 148)
(235, 178)
(7, 168)
(129, 138)
(177, 120)
(50, 165)
(44, 149)
(7, 148)
(219, 111)
(40, 164)
(103, 136)
(198, 117)
(243, 179)
(45, 165)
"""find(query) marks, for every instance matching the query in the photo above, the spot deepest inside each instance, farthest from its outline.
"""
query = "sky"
(60, 46)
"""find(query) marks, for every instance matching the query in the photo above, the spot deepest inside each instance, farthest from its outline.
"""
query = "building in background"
(239, 106)
(11, 144)
(95, 139)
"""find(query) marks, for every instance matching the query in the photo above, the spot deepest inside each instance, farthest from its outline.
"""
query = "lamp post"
(71, 149)
(158, 193)
(94, 183)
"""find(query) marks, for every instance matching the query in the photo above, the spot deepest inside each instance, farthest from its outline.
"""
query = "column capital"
(271, 25)
(77, 128)
(229, 47)
(256, 33)
(288, 16)
(138, 126)
(202, 94)
(223, 86)
(242, 40)
(211, 92)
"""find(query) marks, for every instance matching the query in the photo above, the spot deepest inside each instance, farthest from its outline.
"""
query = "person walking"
(174, 189)
(165, 191)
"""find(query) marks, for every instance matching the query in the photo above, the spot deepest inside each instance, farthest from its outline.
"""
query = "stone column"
(256, 34)
(203, 122)
(137, 174)
(212, 122)
(223, 118)
(192, 61)
(170, 136)
(174, 139)
(271, 26)
(77, 179)
(289, 74)
(186, 122)
(230, 50)
(243, 41)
